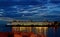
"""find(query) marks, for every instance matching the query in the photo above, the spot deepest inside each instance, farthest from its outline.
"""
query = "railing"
(32, 25)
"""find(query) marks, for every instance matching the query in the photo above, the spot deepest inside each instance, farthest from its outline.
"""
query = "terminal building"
(38, 30)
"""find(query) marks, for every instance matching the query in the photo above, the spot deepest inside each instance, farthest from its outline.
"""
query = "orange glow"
(17, 35)
(40, 30)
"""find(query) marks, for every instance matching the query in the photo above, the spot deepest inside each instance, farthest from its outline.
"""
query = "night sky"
(30, 9)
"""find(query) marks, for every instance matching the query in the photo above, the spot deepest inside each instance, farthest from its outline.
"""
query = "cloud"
(28, 10)
(31, 10)
(0, 14)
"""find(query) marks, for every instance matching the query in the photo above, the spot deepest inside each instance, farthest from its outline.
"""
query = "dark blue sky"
(30, 8)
